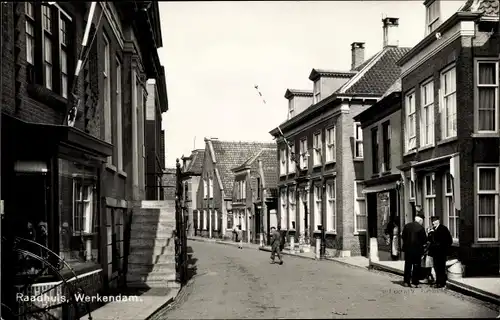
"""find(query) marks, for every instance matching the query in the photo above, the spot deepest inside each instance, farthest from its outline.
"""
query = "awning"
(380, 187)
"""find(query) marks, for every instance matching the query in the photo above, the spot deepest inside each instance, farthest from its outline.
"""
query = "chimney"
(358, 54)
(390, 27)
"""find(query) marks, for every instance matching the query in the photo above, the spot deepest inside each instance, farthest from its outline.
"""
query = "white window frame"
(445, 107)
(30, 32)
(411, 187)
(48, 57)
(449, 206)
(331, 209)
(303, 154)
(291, 108)
(108, 127)
(317, 206)
(479, 192)
(205, 189)
(291, 163)
(283, 161)
(119, 107)
(216, 221)
(317, 91)
(292, 207)
(427, 123)
(204, 220)
(87, 214)
(330, 139)
(429, 198)
(410, 122)
(357, 207)
(432, 22)
(63, 53)
(210, 187)
(317, 149)
(284, 208)
(198, 215)
(476, 94)
(358, 141)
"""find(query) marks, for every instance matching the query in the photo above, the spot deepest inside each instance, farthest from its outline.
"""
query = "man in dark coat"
(414, 240)
(275, 245)
(440, 244)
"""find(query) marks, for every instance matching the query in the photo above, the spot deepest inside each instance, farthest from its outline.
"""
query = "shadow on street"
(192, 268)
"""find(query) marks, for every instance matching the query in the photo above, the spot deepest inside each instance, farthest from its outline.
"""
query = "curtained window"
(410, 125)
(487, 203)
(449, 108)
(487, 96)
(331, 212)
(449, 206)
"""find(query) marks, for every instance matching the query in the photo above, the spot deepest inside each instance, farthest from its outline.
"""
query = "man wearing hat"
(438, 250)
(414, 240)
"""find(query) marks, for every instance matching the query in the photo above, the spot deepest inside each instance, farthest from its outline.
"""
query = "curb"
(451, 284)
(227, 243)
(288, 254)
(169, 301)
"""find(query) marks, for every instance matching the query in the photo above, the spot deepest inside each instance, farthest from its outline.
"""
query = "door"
(257, 223)
(371, 206)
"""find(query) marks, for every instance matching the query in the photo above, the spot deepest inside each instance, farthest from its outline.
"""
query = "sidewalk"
(140, 305)
(485, 288)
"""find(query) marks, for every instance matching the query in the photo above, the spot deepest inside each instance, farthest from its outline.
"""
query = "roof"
(229, 154)
(297, 92)
(386, 105)
(484, 7)
(377, 74)
(268, 158)
(395, 87)
(316, 73)
(196, 164)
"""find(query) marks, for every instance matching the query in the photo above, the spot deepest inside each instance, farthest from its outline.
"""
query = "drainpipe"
(498, 40)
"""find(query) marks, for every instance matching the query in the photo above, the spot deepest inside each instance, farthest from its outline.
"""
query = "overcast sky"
(215, 52)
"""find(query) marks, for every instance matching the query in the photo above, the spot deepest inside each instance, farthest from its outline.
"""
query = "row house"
(321, 170)
(191, 172)
(71, 144)
(254, 195)
(451, 129)
(214, 213)
(383, 185)
(156, 105)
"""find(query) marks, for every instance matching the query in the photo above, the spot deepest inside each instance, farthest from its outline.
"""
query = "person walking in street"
(439, 248)
(414, 239)
(276, 245)
(240, 237)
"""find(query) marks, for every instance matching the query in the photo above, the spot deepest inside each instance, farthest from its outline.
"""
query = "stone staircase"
(151, 263)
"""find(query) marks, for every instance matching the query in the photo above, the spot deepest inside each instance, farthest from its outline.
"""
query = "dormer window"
(291, 109)
(432, 16)
(317, 91)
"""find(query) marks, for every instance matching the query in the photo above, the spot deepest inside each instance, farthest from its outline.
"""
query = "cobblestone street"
(232, 283)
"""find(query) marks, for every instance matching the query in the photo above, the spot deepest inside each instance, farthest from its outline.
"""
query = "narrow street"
(229, 283)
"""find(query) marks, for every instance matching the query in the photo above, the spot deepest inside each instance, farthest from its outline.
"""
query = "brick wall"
(169, 182)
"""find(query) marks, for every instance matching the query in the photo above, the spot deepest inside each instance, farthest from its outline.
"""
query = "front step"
(157, 250)
(151, 219)
(151, 242)
(156, 276)
(154, 284)
(155, 268)
(158, 227)
(150, 234)
(149, 259)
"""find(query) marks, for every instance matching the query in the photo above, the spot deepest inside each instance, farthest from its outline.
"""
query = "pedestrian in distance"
(282, 239)
(439, 249)
(276, 245)
(240, 237)
(414, 240)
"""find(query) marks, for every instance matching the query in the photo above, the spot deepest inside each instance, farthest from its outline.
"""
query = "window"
(292, 208)
(30, 32)
(303, 154)
(63, 39)
(47, 44)
(107, 94)
(375, 162)
(317, 149)
(449, 206)
(83, 208)
(216, 221)
(359, 207)
(411, 191)
(291, 158)
(358, 140)
(210, 188)
(411, 134)
(291, 108)
(331, 212)
(317, 207)
(487, 203)
(432, 16)
(386, 144)
(283, 161)
(487, 96)
(205, 189)
(427, 115)
(198, 221)
(119, 132)
(258, 188)
(449, 108)
(243, 190)
(330, 144)
(317, 91)
(204, 220)
(430, 198)
(283, 212)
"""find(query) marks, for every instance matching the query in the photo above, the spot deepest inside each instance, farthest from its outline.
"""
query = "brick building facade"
(81, 180)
